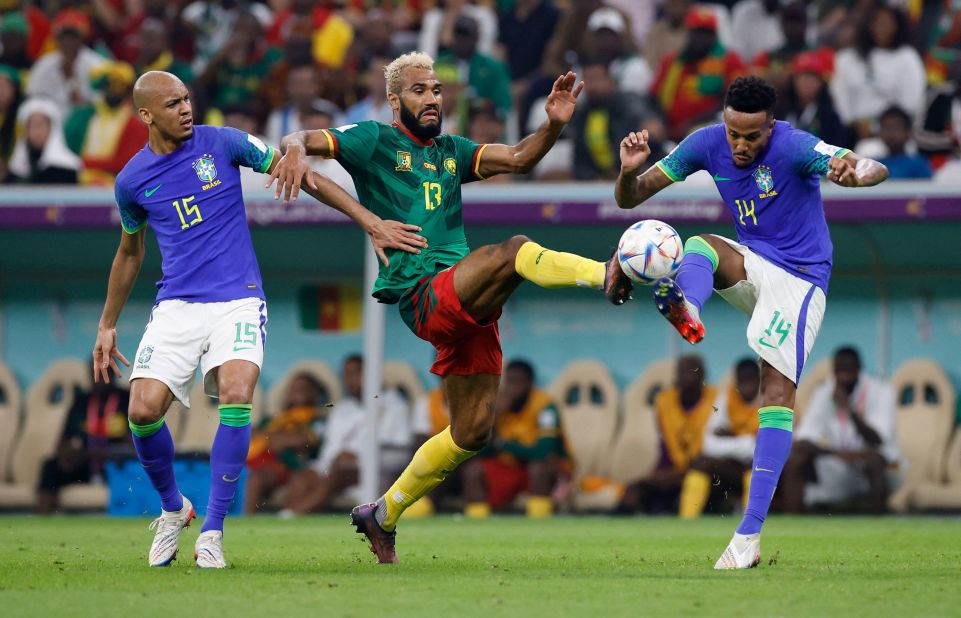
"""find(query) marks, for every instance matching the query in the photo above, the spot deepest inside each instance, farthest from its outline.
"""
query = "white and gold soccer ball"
(649, 250)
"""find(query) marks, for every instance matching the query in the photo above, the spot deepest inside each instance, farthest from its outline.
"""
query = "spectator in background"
(63, 75)
(668, 34)
(939, 135)
(40, 155)
(608, 41)
(728, 448)
(524, 452)
(336, 469)
(756, 27)
(774, 65)
(233, 74)
(525, 30)
(374, 43)
(808, 105)
(438, 27)
(302, 94)
(95, 428)
(322, 115)
(374, 105)
(682, 416)
(128, 40)
(107, 133)
(213, 21)
(153, 51)
(480, 75)
(13, 42)
(11, 97)
(845, 445)
(296, 53)
(38, 26)
(603, 116)
(330, 34)
(895, 148)
(881, 71)
(286, 442)
(690, 85)
(485, 124)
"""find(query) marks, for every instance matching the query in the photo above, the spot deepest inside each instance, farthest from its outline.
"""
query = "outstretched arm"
(852, 170)
(293, 168)
(521, 159)
(384, 234)
(633, 188)
(123, 274)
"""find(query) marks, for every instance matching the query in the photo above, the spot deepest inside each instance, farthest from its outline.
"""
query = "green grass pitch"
(504, 566)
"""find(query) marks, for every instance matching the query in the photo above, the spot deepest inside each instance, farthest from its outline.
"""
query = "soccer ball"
(649, 250)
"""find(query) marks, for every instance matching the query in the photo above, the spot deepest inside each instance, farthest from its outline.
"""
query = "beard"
(412, 124)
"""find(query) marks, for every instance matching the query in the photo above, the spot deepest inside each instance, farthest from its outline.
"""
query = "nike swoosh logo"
(755, 469)
(150, 192)
(224, 477)
(765, 343)
(719, 178)
(236, 349)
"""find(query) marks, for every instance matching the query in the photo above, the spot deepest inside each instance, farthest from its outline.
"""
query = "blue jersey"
(776, 201)
(192, 199)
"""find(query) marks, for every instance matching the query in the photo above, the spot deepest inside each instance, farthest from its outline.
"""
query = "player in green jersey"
(408, 171)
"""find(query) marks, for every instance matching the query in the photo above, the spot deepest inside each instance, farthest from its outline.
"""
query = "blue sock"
(695, 277)
(155, 449)
(227, 458)
(771, 451)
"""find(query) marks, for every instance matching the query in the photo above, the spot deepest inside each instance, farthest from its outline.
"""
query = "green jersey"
(399, 177)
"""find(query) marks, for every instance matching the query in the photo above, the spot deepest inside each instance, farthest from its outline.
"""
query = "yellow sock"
(746, 491)
(553, 269)
(694, 494)
(539, 507)
(477, 510)
(431, 464)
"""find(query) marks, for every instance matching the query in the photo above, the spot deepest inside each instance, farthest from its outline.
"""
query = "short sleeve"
(132, 215)
(812, 154)
(247, 150)
(468, 155)
(687, 157)
(353, 144)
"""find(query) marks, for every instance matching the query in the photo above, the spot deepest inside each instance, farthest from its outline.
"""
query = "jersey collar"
(429, 142)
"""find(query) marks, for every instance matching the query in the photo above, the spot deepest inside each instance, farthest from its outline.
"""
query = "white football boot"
(743, 552)
(163, 550)
(209, 550)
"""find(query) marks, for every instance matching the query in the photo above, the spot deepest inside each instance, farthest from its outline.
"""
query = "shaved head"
(154, 84)
(163, 103)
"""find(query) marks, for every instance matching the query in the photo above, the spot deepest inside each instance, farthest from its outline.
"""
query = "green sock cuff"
(144, 431)
(234, 414)
(776, 417)
(696, 244)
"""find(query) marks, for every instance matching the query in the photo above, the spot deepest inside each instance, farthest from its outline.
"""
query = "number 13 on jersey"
(432, 195)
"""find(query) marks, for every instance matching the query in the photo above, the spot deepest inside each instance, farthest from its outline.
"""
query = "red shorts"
(504, 481)
(431, 309)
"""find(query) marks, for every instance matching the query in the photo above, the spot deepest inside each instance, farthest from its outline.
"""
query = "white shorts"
(839, 481)
(180, 335)
(786, 312)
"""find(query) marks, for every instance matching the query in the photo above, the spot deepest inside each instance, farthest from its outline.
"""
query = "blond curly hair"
(393, 72)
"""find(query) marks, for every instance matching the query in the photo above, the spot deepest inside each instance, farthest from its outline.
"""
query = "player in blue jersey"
(768, 174)
(210, 309)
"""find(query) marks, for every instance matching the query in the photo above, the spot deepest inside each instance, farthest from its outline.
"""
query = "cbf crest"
(765, 181)
(205, 168)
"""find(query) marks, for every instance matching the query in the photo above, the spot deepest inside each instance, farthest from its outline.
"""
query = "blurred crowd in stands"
(881, 77)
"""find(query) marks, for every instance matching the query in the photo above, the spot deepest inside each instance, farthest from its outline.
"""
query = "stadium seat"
(925, 419)
(201, 420)
(320, 370)
(587, 400)
(48, 402)
(11, 405)
(401, 376)
(637, 444)
(813, 377)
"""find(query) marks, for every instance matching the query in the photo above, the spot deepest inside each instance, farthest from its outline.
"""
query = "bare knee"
(776, 388)
(141, 412)
(514, 244)
(235, 391)
(473, 434)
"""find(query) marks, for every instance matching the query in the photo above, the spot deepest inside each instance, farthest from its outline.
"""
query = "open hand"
(635, 150)
(563, 96)
(105, 355)
(387, 234)
(289, 173)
